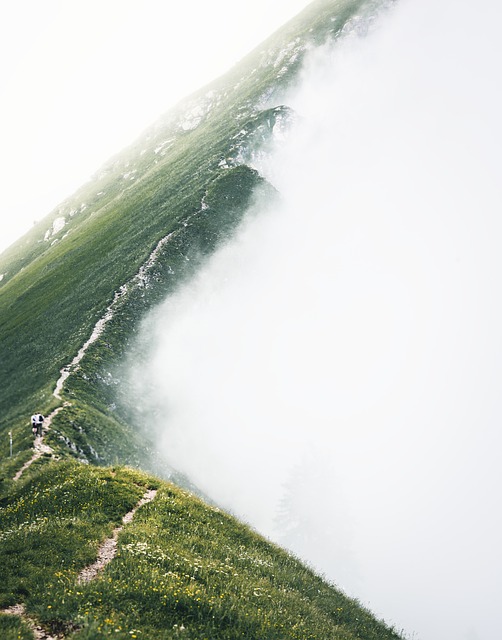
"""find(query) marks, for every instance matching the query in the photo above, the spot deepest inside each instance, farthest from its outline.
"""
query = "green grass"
(13, 628)
(56, 517)
(183, 568)
(54, 291)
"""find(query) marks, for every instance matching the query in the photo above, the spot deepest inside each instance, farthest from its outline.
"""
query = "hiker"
(34, 421)
(37, 421)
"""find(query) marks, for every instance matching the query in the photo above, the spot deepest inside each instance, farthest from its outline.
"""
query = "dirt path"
(140, 279)
(39, 447)
(39, 632)
(106, 554)
(108, 549)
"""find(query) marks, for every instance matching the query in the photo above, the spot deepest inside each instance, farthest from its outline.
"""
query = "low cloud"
(334, 374)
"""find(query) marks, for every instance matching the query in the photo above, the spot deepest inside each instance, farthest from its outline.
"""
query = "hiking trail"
(108, 549)
(106, 553)
(138, 280)
(39, 633)
(39, 447)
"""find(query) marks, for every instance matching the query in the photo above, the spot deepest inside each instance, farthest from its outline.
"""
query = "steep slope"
(180, 568)
(72, 294)
(175, 192)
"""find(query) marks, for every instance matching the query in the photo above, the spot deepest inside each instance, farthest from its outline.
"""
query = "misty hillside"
(177, 192)
(73, 293)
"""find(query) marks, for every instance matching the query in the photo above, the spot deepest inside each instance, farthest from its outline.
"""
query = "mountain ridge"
(72, 294)
(91, 252)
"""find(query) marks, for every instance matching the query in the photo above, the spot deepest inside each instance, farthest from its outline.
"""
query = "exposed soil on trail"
(39, 632)
(106, 554)
(39, 447)
(108, 549)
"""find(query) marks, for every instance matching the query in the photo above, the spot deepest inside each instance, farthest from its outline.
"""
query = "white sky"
(82, 79)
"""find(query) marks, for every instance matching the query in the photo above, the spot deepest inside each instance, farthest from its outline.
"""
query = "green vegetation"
(57, 285)
(13, 628)
(183, 569)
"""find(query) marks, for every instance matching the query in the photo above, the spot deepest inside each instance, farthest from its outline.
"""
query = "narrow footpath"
(108, 549)
(39, 447)
(106, 553)
(39, 633)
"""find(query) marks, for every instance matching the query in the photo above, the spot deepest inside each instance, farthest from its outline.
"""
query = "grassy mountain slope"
(59, 280)
(133, 234)
(202, 576)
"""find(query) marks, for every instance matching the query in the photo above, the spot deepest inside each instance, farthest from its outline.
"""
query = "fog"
(333, 375)
(68, 105)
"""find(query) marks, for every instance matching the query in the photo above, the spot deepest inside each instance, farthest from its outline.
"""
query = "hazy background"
(81, 79)
(334, 375)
